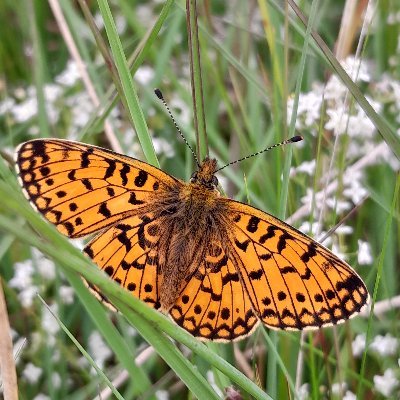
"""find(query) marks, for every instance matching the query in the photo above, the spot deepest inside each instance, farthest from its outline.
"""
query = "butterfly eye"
(215, 181)
(193, 178)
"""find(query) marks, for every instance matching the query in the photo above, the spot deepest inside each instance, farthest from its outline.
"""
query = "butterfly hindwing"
(82, 188)
(293, 282)
(129, 257)
(214, 305)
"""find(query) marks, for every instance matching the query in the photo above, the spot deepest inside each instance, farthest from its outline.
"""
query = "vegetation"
(262, 76)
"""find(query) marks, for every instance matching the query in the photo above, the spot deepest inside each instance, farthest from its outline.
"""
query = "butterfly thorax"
(186, 231)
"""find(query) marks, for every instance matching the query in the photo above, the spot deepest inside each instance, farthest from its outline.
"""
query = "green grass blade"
(128, 89)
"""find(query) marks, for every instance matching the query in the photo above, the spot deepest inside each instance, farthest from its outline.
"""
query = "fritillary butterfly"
(217, 266)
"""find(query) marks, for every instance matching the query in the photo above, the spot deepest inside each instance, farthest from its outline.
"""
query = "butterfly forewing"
(81, 188)
(293, 282)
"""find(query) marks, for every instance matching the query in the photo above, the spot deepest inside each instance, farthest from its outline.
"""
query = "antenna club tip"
(158, 94)
(296, 139)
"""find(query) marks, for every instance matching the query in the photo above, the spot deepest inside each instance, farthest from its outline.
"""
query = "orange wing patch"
(214, 304)
(292, 281)
(82, 189)
(129, 257)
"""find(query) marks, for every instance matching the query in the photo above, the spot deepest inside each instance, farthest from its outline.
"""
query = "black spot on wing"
(103, 210)
(124, 174)
(242, 245)
(270, 234)
(110, 169)
(85, 162)
(311, 252)
(252, 225)
(282, 241)
(39, 150)
(133, 200)
(71, 175)
(87, 184)
(141, 178)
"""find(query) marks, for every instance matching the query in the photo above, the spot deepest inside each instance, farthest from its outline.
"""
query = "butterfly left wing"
(214, 305)
(293, 282)
(82, 188)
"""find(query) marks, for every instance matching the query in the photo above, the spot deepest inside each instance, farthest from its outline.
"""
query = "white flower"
(144, 75)
(364, 253)
(304, 392)
(344, 230)
(385, 345)
(356, 68)
(338, 205)
(386, 383)
(335, 90)
(66, 294)
(22, 281)
(313, 200)
(46, 267)
(337, 121)
(25, 110)
(358, 344)
(307, 167)
(120, 22)
(32, 373)
(52, 92)
(98, 19)
(161, 146)
(185, 113)
(41, 396)
(23, 272)
(131, 331)
(56, 380)
(309, 108)
(310, 229)
(98, 349)
(70, 75)
(337, 251)
(162, 395)
(338, 388)
(6, 105)
(349, 395)
(49, 323)
(27, 295)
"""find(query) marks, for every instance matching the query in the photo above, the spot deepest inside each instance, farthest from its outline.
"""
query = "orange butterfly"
(217, 266)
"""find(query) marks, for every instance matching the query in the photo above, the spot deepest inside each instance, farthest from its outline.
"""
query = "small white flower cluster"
(386, 383)
(24, 276)
(331, 107)
(384, 346)
(65, 101)
(30, 277)
(98, 349)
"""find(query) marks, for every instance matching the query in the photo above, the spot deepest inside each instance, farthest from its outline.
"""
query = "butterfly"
(218, 267)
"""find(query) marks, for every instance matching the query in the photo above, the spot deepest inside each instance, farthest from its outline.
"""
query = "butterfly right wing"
(82, 188)
(127, 253)
(293, 282)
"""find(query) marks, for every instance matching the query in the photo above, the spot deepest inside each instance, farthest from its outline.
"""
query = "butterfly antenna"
(287, 141)
(161, 97)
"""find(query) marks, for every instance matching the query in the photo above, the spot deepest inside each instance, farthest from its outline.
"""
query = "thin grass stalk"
(197, 84)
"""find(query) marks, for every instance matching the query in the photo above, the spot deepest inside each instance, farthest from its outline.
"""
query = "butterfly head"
(205, 175)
